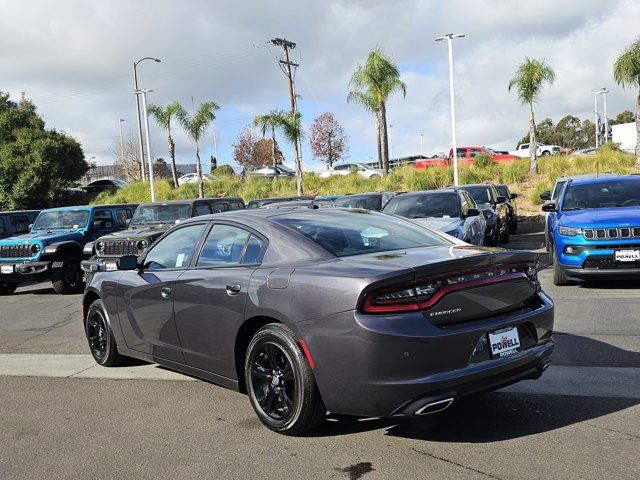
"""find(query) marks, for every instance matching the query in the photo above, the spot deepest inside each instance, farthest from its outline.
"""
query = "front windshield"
(61, 219)
(443, 205)
(356, 232)
(602, 195)
(480, 194)
(368, 202)
(167, 213)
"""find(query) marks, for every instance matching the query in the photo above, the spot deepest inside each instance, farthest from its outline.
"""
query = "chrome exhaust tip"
(434, 407)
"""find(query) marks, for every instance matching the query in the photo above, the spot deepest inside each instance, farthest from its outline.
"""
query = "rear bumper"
(24, 271)
(393, 365)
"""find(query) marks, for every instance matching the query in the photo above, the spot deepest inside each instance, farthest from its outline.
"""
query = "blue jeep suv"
(595, 231)
(53, 247)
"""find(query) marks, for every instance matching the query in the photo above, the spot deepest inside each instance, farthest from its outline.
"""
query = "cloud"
(74, 59)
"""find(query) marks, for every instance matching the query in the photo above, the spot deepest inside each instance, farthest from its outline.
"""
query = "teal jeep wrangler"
(53, 248)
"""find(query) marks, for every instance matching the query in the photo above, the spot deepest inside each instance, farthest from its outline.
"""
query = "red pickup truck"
(466, 154)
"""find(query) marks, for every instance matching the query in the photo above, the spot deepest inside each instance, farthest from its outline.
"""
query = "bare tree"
(129, 162)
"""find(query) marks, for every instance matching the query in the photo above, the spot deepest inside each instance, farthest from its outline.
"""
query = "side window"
(237, 206)
(252, 252)
(106, 217)
(224, 246)
(123, 214)
(3, 229)
(19, 225)
(464, 204)
(462, 152)
(219, 207)
(470, 201)
(202, 209)
(174, 250)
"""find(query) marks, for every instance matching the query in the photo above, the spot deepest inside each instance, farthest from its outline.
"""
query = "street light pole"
(595, 110)
(606, 120)
(120, 122)
(144, 92)
(390, 142)
(421, 144)
(135, 83)
(603, 91)
(449, 37)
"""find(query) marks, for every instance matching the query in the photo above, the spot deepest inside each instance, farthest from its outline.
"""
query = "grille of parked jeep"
(606, 233)
(15, 251)
(608, 263)
(121, 247)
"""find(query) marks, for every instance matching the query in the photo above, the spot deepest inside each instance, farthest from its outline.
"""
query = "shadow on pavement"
(576, 350)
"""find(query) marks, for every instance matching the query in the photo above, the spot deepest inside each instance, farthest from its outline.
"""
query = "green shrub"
(223, 170)
(513, 172)
(483, 160)
(539, 187)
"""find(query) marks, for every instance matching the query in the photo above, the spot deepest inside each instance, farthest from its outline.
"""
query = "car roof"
(191, 201)
(586, 175)
(8, 212)
(90, 207)
(448, 191)
(606, 178)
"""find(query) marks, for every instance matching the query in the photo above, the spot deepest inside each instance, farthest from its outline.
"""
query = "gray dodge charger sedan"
(308, 310)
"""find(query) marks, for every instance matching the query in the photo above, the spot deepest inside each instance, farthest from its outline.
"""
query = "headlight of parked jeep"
(35, 248)
(142, 244)
(100, 247)
(569, 232)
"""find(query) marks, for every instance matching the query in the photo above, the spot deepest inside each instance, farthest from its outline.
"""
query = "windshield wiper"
(572, 208)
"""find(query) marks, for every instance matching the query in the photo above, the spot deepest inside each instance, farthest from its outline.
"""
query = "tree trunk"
(533, 145)
(273, 152)
(199, 173)
(384, 139)
(638, 130)
(378, 135)
(298, 167)
(172, 154)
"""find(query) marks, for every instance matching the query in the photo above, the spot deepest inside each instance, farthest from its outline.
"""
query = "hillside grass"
(404, 179)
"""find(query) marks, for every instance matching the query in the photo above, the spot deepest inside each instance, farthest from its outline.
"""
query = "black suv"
(369, 201)
(150, 220)
(512, 208)
(16, 222)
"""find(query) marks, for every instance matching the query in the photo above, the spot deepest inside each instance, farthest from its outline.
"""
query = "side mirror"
(513, 196)
(30, 226)
(549, 207)
(472, 212)
(127, 222)
(546, 195)
(128, 262)
(500, 200)
(98, 224)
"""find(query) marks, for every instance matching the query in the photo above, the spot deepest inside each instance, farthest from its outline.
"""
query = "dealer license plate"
(627, 255)
(504, 342)
(6, 269)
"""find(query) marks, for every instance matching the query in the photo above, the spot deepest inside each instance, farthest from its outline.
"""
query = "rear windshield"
(444, 205)
(344, 232)
(368, 202)
(602, 195)
(169, 213)
(480, 194)
(61, 219)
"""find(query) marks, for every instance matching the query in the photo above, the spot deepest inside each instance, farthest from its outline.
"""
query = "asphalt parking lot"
(63, 417)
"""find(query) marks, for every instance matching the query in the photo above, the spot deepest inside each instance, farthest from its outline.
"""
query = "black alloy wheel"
(100, 337)
(280, 382)
(66, 275)
(272, 379)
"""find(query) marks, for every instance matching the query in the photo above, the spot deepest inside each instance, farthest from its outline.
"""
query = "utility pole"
(287, 64)
(606, 120)
(120, 122)
(390, 142)
(421, 144)
(135, 87)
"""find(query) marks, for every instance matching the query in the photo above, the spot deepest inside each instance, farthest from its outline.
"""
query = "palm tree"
(290, 126)
(196, 125)
(373, 84)
(270, 121)
(530, 77)
(163, 117)
(626, 72)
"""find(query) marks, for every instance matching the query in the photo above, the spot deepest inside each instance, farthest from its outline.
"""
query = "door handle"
(165, 292)
(233, 290)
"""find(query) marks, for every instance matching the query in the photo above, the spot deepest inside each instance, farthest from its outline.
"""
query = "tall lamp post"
(449, 37)
(135, 83)
(391, 142)
(143, 92)
(603, 91)
(120, 122)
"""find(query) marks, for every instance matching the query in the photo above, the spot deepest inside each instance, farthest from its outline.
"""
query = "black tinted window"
(224, 246)
(219, 207)
(237, 206)
(345, 232)
(202, 209)
(423, 206)
(252, 251)
(3, 229)
(480, 194)
(106, 218)
(123, 215)
(368, 202)
(174, 250)
(19, 225)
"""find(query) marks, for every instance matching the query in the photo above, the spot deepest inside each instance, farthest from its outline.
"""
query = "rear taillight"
(424, 294)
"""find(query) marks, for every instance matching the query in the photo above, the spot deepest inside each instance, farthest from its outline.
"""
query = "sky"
(74, 59)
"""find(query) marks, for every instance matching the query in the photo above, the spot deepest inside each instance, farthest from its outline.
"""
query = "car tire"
(7, 288)
(100, 336)
(546, 153)
(513, 226)
(375, 176)
(504, 237)
(280, 382)
(66, 275)
(559, 277)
